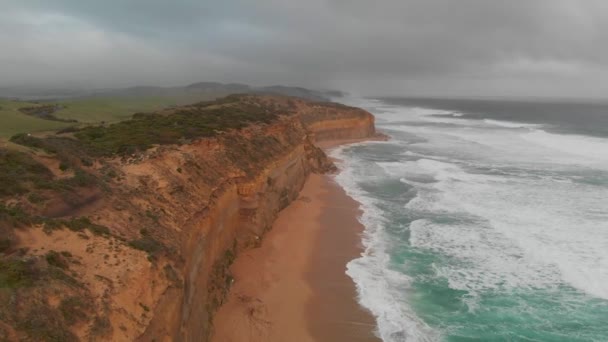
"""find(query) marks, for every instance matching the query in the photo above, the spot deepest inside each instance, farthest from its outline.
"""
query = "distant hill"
(154, 91)
(293, 91)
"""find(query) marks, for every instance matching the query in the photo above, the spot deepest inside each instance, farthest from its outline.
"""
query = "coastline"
(294, 286)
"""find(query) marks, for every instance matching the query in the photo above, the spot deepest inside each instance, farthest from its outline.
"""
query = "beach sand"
(294, 287)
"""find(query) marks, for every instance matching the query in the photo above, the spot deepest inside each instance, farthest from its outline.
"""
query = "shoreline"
(294, 286)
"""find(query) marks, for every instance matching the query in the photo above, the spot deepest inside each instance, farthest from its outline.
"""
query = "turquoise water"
(481, 229)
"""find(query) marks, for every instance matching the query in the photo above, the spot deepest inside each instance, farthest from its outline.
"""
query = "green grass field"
(112, 109)
(89, 110)
(12, 121)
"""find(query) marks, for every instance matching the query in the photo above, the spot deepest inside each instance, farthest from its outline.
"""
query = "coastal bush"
(55, 259)
(15, 216)
(17, 169)
(36, 198)
(59, 274)
(76, 224)
(69, 129)
(99, 229)
(5, 244)
(172, 276)
(73, 309)
(81, 223)
(173, 126)
(44, 112)
(17, 272)
(28, 140)
(145, 130)
(20, 173)
(43, 323)
(64, 166)
(101, 326)
(147, 244)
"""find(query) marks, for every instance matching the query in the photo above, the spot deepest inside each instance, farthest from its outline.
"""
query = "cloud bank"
(395, 47)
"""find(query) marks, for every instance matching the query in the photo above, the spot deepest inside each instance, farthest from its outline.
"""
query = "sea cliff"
(173, 218)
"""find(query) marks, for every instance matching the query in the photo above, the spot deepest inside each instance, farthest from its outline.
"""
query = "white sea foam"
(534, 146)
(527, 223)
(520, 234)
(510, 124)
(380, 289)
(594, 150)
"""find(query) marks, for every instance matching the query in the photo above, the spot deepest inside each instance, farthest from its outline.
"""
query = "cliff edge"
(127, 231)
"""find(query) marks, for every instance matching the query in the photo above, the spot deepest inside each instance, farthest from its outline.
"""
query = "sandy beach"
(293, 287)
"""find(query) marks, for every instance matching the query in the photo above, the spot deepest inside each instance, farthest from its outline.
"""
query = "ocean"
(485, 220)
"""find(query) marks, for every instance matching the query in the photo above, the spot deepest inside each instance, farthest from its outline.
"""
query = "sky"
(383, 47)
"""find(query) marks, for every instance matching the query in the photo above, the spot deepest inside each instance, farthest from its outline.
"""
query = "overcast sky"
(433, 47)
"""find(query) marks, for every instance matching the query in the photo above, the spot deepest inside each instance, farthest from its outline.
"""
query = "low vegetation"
(147, 244)
(56, 259)
(18, 170)
(174, 126)
(20, 173)
(88, 110)
(45, 112)
(73, 309)
(17, 272)
(144, 130)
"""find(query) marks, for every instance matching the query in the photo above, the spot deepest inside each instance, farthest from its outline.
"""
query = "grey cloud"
(475, 47)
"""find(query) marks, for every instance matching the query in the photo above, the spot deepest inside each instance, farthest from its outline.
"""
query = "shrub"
(36, 198)
(69, 129)
(64, 166)
(5, 244)
(16, 217)
(17, 169)
(99, 229)
(28, 140)
(77, 224)
(86, 162)
(152, 215)
(147, 244)
(50, 225)
(15, 272)
(73, 310)
(43, 323)
(101, 326)
(81, 179)
(55, 259)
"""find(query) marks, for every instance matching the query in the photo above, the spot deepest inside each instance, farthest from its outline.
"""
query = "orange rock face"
(201, 204)
(242, 207)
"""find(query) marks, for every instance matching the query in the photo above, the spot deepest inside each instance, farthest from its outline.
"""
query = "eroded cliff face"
(336, 122)
(178, 216)
(245, 206)
(239, 183)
